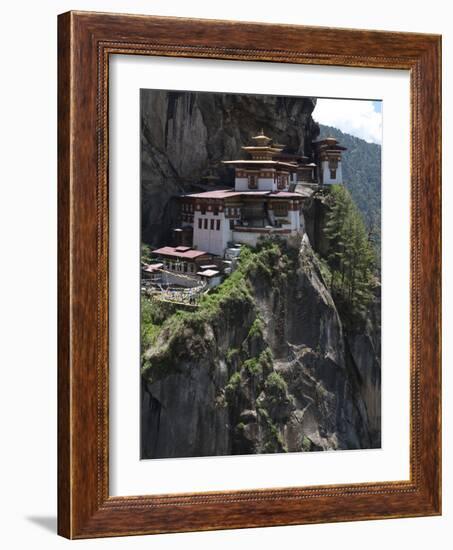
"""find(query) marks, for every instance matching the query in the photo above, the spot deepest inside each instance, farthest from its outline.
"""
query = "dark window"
(206, 223)
(280, 209)
(212, 224)
(333, 174)
(216, 210)
(281, 182)
(199, 223)
(231, 224)
(218, 225)
(252, 182)
(203, 209)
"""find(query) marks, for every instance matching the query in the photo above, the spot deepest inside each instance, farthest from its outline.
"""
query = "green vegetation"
(273, 441)
(145, 253)
(306, 444)
(275, 388)
(234, 384)
(257, 366)
(232, 355)
(266, 360)
(252, 370)
(325, 269)
(351, 257)
(252, 366)
(256, 330)
(361, 166)
(152, 317)
(271, 261)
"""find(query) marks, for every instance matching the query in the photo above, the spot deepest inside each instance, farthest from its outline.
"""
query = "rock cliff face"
(186, 134)
(273, 372)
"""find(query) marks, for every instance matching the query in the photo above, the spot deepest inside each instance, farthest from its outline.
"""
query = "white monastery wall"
(208, 237)
(294, 218)
(243, 237)
(241, 184)
(266, 184)
(326, 179)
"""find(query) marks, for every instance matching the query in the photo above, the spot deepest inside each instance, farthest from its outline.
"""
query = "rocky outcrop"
(273, 372)
(364, 355)
(185, 135)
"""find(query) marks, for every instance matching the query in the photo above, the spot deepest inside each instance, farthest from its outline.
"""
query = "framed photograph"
(249, 275)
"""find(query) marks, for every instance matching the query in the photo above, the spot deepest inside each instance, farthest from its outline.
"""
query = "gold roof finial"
(261, 138)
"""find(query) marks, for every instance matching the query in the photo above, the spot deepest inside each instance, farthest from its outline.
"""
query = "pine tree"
(351, 256)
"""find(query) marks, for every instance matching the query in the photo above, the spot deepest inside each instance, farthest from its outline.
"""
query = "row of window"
(233, 212)
(213, 225)
(282, 182)
(256, 174)
(215, 210)
(280, 210)
(183, 267)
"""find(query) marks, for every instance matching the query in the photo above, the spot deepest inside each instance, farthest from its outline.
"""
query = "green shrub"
(252, 366)
(305, 443)
(275, 387)
(232, 355)
(266, 359)
(257, 328)
(233, 386)
(145, 253)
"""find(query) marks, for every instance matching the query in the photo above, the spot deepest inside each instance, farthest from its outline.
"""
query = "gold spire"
(261, 139)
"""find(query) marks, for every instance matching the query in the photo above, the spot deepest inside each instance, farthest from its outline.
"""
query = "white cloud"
(351, 116)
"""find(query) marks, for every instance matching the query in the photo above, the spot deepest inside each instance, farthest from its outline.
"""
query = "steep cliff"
(264, 365)
(185, 135)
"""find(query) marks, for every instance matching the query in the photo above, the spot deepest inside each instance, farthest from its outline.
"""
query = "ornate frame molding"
(86, 40)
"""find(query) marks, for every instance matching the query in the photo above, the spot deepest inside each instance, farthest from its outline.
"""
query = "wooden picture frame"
(85, 41)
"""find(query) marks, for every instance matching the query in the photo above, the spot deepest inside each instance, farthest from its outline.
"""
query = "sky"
(361, 118)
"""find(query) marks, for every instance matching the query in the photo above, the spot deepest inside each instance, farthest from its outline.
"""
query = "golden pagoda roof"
(265, 162)
(262, 138)
(270, 148)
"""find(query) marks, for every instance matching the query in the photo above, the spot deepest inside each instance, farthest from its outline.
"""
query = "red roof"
(285, 195)
(217, 194)
(229, 194)
(152, 268)
(265, 162)
(189, 254)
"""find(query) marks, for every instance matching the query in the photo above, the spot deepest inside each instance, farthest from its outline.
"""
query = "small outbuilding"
(182, 259)
(213, 277)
